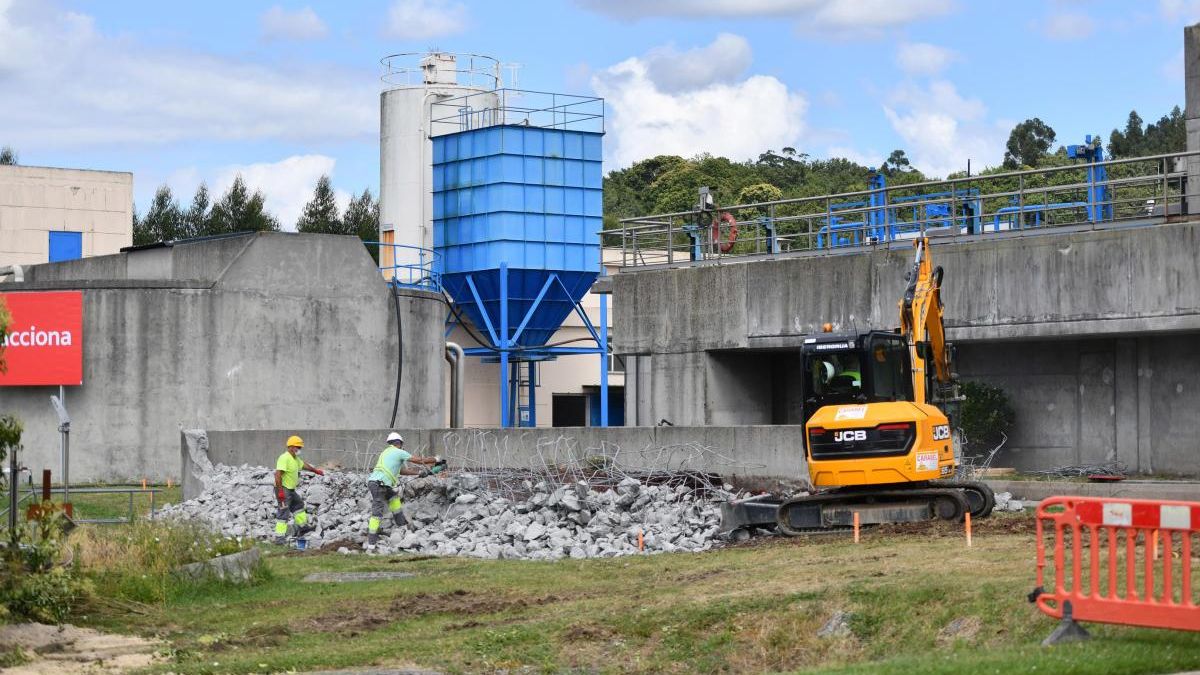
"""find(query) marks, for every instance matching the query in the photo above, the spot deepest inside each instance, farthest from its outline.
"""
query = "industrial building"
(49, 214)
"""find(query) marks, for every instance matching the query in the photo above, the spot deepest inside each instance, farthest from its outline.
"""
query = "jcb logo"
(941, 432)
(848, 436)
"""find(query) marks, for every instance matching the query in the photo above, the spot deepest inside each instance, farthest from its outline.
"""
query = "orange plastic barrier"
(1122, 561)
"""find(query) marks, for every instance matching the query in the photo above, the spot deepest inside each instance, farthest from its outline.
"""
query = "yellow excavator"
(877, 437)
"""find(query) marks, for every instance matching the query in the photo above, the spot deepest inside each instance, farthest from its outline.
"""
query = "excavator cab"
(848, 369)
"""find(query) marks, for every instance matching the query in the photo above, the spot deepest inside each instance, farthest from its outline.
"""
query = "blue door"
(66, 246)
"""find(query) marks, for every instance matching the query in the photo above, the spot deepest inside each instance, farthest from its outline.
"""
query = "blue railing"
(409, 266)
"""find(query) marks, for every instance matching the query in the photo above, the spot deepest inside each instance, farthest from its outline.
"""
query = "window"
(66, 246)
(616, 364)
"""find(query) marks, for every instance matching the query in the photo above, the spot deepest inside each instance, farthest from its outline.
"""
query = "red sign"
(44, 345)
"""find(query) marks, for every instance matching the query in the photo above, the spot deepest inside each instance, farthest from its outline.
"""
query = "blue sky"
(180, 92)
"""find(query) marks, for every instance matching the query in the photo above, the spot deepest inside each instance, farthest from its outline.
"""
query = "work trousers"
(291, 506)
(384, 499)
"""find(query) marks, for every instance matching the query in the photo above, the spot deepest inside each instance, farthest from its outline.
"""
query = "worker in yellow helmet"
(287, 479)
(383, 481)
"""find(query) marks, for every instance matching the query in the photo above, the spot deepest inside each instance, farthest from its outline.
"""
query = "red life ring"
(727, 245)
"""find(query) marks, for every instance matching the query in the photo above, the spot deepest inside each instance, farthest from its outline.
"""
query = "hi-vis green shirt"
(390, 462)
(290, 466)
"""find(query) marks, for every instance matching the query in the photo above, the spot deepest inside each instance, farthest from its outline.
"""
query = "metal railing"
(541, 109)
(409, 266)
(32, 495)
(1148, 189)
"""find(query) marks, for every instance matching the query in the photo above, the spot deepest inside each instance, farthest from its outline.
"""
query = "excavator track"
(979, 495)
(836, 509)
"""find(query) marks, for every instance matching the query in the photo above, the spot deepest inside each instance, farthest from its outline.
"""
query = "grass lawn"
(107, 506)
(751, 608)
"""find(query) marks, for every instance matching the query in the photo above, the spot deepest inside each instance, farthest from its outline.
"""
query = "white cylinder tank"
(414, 85)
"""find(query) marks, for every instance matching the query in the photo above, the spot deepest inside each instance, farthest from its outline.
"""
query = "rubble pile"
(457, 514)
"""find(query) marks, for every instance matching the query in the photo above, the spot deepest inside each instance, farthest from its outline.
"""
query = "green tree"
(163, 220)
(321, 213)
(362, 218)
(198, 219)
(8, 156)
(1028, 144)
(240, 211)
(897, 162)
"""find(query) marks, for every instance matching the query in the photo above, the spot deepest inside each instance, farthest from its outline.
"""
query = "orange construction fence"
(1122, 561)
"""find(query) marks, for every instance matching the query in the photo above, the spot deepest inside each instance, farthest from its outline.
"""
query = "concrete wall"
(36, 200)
(1094, 335)
(746, 455)
(258, 331)
(1044, 285)
(1135, 400)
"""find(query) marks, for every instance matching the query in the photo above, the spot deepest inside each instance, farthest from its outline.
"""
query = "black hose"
(399, 354)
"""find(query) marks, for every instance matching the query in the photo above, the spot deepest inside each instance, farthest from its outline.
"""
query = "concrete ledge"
(1128, 489)
(235, 567)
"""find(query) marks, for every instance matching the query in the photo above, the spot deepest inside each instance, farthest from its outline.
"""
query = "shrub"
(986, 416)
(46, 596)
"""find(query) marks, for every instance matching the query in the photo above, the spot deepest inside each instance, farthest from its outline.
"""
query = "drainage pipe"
(454, 355)
(15, 271)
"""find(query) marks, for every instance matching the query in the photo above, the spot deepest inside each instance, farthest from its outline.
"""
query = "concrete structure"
(265, 330)
(1094, 335)
(749, 456)
(36, 201)
(572, 383)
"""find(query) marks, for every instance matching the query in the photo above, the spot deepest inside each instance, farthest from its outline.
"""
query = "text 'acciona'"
(37, 338)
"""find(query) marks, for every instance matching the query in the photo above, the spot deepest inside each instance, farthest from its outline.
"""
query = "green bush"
(46, 596)
(986, 416)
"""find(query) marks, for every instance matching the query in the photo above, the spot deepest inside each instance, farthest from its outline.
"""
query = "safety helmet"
(395, 437)
(295, 441)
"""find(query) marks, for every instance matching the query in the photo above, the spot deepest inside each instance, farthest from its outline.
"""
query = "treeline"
(669, 183)
(239, 210)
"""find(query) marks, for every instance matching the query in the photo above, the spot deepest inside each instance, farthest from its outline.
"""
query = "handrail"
(409, 266)
(1014, 200)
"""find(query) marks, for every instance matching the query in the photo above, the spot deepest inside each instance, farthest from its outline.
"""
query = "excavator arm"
(921, 322)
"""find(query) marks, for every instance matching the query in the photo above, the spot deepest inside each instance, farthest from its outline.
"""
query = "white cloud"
(922, 58)
(724, 60)
(840, 16)
(54, 64)
(422, 19)
(280, 24)
(1067, 26)
(941, 129)
(733, 119)
(287, 184)
(1176, 10)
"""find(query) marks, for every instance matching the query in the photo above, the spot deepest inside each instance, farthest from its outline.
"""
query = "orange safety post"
(968, 522)
(1087, 529)
(856, 527)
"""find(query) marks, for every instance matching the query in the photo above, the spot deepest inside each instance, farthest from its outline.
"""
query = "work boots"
(372, 541)
(399, 520)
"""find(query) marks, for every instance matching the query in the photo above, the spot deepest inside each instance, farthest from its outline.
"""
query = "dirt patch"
(460, 603)
(69, 649)
(965, 629)
(588, 632)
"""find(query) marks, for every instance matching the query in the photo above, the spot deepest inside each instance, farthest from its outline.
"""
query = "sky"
(282, 92)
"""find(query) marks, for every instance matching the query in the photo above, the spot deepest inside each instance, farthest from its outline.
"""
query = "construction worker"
(287, 479)
(383, 480)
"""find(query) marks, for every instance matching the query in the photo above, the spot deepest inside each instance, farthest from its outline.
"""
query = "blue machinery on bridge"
(884, 213)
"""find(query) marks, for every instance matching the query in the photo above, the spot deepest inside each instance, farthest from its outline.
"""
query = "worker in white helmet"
(382, 483)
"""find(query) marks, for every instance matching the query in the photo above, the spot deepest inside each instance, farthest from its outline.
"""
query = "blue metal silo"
(517, 211)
